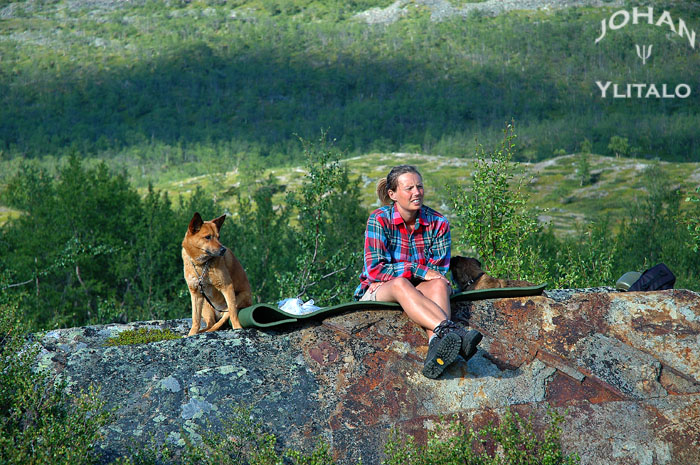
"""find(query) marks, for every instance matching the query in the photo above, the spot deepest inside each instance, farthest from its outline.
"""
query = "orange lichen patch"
(512, 325)
(565, 335)
(412, 334)
(507, 357)
(578, 318)
(665, 324)
(378, 393)
(418, 427)
(422, 351)
(562, 390)
(324, 353)
(374, 374)
(593, 310)
(660, 324)
(678, 422)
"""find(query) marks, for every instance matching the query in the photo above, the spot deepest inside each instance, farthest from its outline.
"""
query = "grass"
(554, 185)
(141, 336)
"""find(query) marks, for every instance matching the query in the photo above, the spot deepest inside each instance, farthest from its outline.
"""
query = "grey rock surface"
(441, 10)
(624, 365)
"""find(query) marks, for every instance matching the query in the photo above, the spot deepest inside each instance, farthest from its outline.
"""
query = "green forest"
(152, 85)
(88, 248)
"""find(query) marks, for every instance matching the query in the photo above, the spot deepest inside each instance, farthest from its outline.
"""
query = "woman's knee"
(440, 284)
(395, 289)
(435, 287)
(402, 283)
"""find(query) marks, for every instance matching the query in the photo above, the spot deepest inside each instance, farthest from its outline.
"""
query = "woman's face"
(408, 196)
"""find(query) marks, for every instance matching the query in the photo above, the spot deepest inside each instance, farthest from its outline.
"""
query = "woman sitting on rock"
(407, 254)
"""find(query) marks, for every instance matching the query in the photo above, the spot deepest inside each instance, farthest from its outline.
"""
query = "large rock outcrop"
(625, 365)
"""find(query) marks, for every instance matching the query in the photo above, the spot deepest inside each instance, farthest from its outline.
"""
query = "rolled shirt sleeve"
(438, 255)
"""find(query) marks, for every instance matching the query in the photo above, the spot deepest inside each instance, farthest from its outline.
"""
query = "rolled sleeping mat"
(269, 315)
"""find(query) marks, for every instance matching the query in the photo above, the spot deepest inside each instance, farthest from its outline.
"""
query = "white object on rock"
(297, 306)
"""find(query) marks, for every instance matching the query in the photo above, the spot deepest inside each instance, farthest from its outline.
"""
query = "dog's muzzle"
(222, 251)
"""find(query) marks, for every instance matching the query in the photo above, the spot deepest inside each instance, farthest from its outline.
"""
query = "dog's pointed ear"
(219, 221)
(195, 223)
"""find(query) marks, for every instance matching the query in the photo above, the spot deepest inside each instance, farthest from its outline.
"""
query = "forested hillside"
(88, 247)
(157, 84)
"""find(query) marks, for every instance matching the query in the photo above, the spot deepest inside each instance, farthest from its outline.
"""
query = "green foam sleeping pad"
(268, 315)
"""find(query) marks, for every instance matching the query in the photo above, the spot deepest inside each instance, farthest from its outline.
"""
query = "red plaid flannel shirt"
(391, 251)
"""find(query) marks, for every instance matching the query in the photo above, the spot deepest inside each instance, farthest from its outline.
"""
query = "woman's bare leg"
(428, 303)
(438, 291)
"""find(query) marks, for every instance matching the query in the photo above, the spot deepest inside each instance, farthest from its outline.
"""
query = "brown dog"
(468, 274)
(217, 282)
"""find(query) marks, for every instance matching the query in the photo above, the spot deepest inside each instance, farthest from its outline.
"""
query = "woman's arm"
(378, 261)
(438, 255)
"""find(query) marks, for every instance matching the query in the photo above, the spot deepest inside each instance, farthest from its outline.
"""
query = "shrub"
(586, 259)
(244, 441)
(493, 218)
(656, 230)
(93, 249)
(586, 146)
(693, 220)
(619, 146)
(263, 228)
(39, 421)
(303, 242)
(512, 442)
(583, 169)
(329, 233)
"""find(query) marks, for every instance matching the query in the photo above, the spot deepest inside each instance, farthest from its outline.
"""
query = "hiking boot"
(470, 339)
(443, 349)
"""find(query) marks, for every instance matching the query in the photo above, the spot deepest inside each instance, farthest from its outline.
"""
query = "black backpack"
(656, 278)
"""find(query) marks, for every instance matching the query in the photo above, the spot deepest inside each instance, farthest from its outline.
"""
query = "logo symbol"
(644, 53)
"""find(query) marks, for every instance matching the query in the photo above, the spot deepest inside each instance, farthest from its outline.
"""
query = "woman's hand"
(432, 274)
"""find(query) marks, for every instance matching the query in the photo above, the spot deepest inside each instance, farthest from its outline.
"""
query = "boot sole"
(446, 352)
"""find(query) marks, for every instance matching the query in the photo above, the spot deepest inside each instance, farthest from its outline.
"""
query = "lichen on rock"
(626, 366)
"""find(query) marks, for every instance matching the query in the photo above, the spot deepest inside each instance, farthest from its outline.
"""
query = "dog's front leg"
(197, 303)
(232, 309)
(232, 304)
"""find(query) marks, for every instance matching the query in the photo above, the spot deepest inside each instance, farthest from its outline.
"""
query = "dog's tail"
(220, 323)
